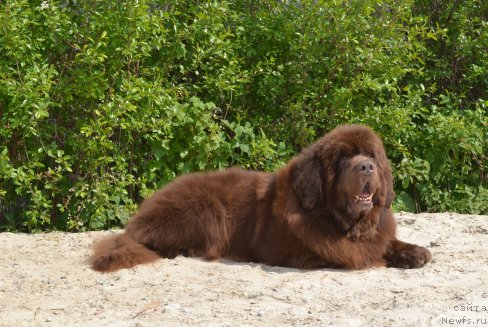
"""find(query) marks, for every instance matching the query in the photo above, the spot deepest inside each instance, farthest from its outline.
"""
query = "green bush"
(102, 102)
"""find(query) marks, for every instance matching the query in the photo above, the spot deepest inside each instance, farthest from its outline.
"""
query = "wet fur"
(302, 216)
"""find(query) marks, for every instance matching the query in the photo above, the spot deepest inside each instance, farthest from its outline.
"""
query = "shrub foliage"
(101, 102)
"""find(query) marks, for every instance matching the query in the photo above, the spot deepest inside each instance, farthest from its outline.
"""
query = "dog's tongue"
(364, 194)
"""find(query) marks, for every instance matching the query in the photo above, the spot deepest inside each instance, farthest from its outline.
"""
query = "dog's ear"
(390, 194)
(307, 181)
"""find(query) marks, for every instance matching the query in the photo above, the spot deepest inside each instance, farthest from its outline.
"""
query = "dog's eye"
(372, 155)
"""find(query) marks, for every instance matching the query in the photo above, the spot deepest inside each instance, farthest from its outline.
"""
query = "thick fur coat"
(329, 207)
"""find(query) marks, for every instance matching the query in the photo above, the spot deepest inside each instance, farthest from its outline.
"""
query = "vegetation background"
(102, 102)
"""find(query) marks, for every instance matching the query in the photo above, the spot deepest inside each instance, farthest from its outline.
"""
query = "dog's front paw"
(415, 257)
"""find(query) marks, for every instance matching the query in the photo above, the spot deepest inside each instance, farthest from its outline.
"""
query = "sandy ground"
(45, 281)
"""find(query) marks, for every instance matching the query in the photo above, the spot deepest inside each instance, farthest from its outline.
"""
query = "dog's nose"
(366, 167)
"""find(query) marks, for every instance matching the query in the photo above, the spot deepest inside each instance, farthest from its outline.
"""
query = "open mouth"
(365, 197)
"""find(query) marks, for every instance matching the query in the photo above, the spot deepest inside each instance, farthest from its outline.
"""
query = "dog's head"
(346, 171)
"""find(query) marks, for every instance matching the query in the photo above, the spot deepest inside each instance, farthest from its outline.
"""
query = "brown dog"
(329, 207)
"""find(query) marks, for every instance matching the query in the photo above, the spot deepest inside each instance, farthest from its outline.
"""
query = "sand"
(45, 281)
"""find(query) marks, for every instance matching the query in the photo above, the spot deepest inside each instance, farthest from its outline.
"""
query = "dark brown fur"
(306, 215)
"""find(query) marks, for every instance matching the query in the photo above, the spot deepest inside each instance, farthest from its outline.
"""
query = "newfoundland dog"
(329, 207)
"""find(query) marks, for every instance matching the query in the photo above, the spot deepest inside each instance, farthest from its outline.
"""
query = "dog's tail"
(119, 251)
